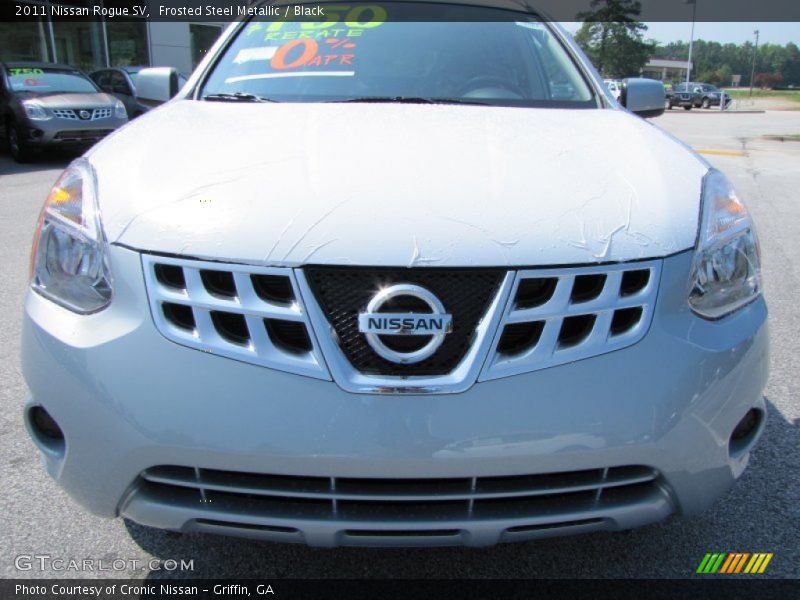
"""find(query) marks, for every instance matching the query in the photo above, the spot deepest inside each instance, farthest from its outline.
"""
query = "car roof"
(32, 64)
(135, 69)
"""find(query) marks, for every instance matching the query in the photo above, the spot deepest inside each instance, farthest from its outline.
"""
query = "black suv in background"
(683, 95)
(710, 95)
(695, 95)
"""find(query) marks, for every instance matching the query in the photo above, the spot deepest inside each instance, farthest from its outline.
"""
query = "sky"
(736, 33)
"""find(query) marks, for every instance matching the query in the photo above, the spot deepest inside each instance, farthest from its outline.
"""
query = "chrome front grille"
(382, 508)
(556, 316)
(72, 114)
(252, 314)
(535, 319)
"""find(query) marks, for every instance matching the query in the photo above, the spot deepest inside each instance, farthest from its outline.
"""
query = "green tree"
(613, 38)
(724, 75)
(791, 70)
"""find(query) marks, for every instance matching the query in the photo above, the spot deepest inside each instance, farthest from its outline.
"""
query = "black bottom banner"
(380, 589)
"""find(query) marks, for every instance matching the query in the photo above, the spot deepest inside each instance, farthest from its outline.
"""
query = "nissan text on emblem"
(85, 114)
(434, 324)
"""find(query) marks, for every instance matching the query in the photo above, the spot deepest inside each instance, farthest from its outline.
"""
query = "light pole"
(753, 71)
(691, 42)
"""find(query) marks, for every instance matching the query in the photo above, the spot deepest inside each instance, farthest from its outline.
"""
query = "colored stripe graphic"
(712, 562)
(749, 567)
(765, 563)
(703, 563)
(741, 562)
(758, 563)
(728, 561)
(733, 562)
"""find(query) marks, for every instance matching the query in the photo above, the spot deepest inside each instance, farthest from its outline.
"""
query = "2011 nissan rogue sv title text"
(384, 280)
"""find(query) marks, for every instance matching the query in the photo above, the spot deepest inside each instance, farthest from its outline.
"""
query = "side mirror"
(645, 97)
(156, 86)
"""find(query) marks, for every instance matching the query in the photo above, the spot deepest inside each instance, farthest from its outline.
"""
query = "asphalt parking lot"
(761, 513)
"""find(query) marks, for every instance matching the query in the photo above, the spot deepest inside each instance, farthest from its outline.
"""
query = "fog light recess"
(45, 431)
(745, 431)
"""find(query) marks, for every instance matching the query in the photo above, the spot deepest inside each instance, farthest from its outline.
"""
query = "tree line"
(615, 41)
(716, 63)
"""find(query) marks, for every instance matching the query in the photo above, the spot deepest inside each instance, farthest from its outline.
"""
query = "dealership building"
(104, 43)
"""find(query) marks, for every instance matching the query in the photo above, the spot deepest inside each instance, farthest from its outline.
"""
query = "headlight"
(35, 111)
(726, 273)
(69, 260)
(119, 110)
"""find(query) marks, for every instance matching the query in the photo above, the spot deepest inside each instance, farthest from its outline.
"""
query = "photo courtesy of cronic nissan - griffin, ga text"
(406, 276)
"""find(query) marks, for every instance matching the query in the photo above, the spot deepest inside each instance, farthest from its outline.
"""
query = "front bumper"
(64, 132)
(130, 402)
(715, 100)
(678, 101)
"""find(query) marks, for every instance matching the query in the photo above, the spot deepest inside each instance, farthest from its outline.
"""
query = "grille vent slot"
(634, 282)
(519, 337)
(534, 292)
(587, 287)
(625, 319)
(179, 315)
(289, 335)
(170, 276)
(273, 288)
(575, 330)
(231, 326)
(219, 283)
(79, 135)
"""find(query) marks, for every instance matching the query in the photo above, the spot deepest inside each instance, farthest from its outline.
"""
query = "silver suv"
(385, 280)
(45, 105)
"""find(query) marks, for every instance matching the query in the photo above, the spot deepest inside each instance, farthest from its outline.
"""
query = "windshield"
(48, 81)
(376, 54)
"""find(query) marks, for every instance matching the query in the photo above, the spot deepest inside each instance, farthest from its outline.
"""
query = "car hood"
(94, 100)
(397, 185)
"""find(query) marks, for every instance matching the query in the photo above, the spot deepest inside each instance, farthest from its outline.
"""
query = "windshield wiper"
(411, 100)
(236, 97)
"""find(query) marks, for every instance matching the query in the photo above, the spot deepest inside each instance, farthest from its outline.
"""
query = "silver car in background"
(120, 82)
(47, 105)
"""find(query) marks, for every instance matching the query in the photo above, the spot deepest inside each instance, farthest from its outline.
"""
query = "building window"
(80, 44)
(203, 37)
(127, 44)
(24, 41)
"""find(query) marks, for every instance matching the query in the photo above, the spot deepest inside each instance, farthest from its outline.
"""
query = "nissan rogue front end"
(384, 280)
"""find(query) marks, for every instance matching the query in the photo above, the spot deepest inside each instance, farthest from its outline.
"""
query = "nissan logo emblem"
(435, 324)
